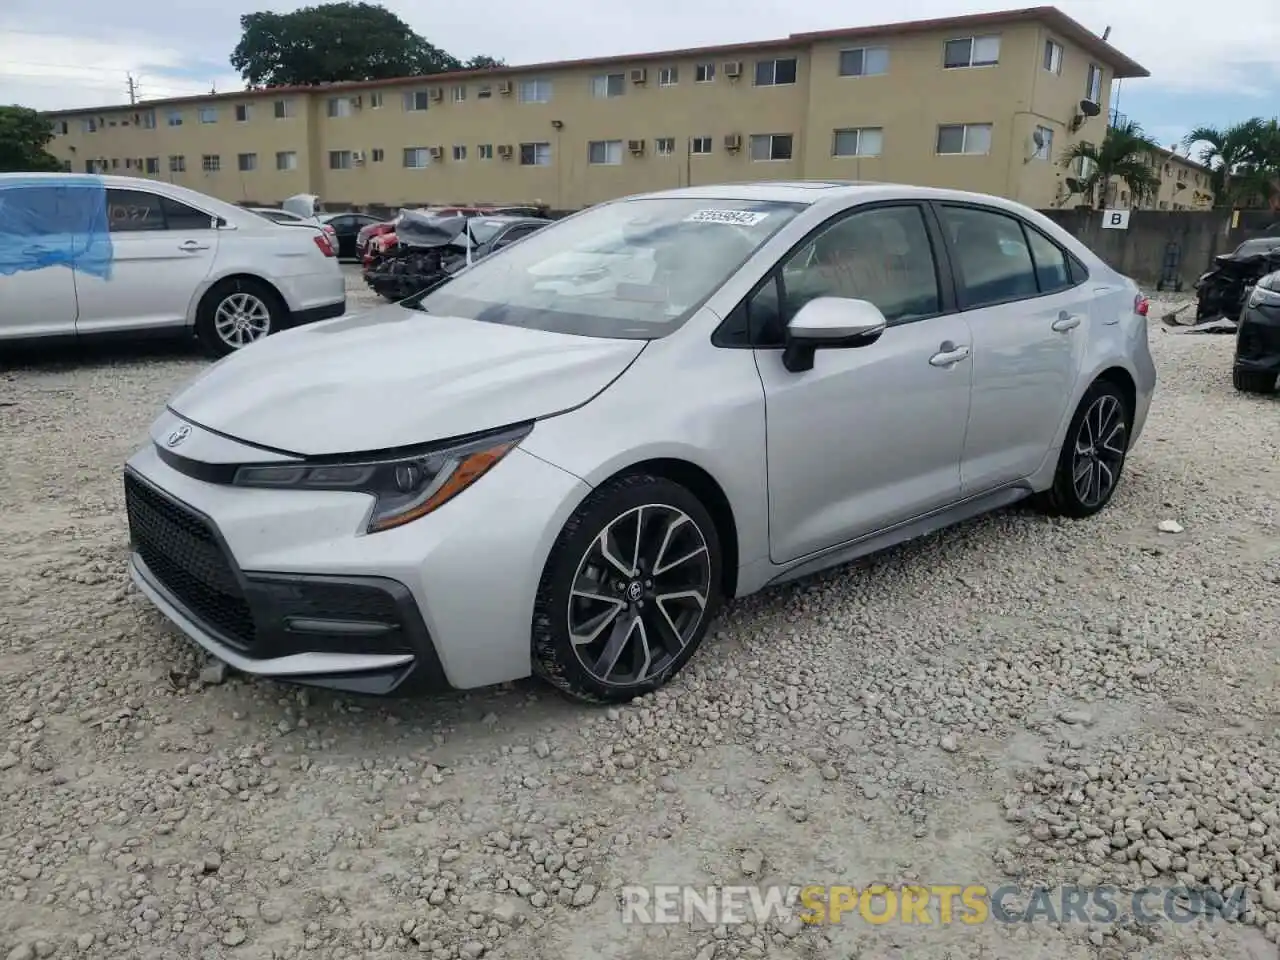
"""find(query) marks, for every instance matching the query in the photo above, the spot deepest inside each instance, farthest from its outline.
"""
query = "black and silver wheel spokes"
(1100, 448)
(639, 594)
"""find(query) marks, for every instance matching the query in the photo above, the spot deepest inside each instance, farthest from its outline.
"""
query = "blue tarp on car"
(54, 222)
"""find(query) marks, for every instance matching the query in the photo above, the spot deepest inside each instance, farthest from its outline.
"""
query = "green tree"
(24, 134)
(1124, 154)
(332, 43)
(1230, 152)
(483, 63)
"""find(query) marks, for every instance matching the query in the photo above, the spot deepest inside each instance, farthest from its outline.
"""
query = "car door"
(871, 436)
(1028, 322)
(163, 252)
(40, 235)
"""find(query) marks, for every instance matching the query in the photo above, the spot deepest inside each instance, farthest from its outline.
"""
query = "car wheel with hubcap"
(237, 313)
(1093, 454)
(628, 592)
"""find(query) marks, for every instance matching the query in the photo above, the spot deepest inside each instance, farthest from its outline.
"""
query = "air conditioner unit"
(504, 88)
(733, 68)
(437, 95)
(437, 153)
(505, 151)
(733, 141)
(639, 75)
(357, 156)
(636, 146)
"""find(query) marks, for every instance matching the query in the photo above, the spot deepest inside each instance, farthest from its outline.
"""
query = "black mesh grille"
(182, 553)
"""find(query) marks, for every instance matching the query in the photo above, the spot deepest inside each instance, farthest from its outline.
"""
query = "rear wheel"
(628, 592)
(236, 313)
(1093, 454)
(1252, 381)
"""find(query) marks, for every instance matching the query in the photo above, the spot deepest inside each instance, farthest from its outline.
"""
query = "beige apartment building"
(986, 102)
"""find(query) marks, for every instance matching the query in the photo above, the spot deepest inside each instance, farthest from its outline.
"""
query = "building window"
(340, 160)
(858, 142)
(604, 152)
(153, 164)
(375, 100)
(1053, 56)
(287, 160)
(668, 76)
(1093, 83)
(484, 92)
(971, 52)
(211, 163)
(864, 62)
(700, 146)
(459, 151)
(89, 126)
(774, 73)
(177, 163)
(972, 138)
(771, 146)
(535, 91)
(1043, 139)
(63, 128)
(242, 113)
(609, 85)
(247, 162)
(339, 107)
(484, 151)
(664, 146)
(704, 73)
(460, 93)
(416, 100)
(377, 155)
(535, 154)
(147, 120)
(415, 158)
(285, 109)
(174, 119)
(208, 114)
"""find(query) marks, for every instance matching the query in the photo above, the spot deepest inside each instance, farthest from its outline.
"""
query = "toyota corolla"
(564, 458)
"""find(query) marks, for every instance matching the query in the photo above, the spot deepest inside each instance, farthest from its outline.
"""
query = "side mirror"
(830, 322)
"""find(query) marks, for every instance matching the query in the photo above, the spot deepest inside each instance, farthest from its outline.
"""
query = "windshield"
(482, 231)
(633, 269)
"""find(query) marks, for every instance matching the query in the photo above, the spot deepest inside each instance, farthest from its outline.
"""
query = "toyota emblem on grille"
(177, 436)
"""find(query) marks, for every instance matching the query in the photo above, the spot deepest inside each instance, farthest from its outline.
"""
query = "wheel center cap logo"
(635, 590)
(177, 436)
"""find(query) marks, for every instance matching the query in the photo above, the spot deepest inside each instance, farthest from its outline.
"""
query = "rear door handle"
(949, 355)
(1066, 321)
(193, 245)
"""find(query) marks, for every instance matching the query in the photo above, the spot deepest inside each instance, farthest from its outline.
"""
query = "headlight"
(405, 487)
(1267, 291)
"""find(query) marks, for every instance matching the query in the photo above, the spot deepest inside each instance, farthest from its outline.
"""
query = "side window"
(133, 211)
(1052, 272)
(882, 255)
(181, 217)
(511, 236)
(31, 211)
(993, 263)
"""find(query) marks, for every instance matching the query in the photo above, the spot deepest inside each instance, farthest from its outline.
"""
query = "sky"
(1211, 64)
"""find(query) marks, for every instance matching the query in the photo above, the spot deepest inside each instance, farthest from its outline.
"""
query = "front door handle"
(192, 245)
(949, 355)
(1066, 321)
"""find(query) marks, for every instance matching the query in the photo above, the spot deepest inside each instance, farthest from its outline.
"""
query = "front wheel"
(628, 591)
(1093, 453)
(1252, 381)
(236, 313)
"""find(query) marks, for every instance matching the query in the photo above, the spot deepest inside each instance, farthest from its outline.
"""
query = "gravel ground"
(1017, 700)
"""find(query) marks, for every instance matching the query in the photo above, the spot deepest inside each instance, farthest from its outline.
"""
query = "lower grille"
(181, 551)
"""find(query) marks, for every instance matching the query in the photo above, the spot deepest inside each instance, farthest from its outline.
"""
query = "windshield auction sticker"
(739, 218)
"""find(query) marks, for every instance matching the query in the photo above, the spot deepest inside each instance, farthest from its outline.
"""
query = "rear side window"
(1052, 272)
(178, 216)
(992, 260)
(132, 211)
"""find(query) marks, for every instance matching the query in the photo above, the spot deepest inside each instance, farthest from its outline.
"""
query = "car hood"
(396, 377)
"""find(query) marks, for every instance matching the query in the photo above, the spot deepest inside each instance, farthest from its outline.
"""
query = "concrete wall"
(1194, 236)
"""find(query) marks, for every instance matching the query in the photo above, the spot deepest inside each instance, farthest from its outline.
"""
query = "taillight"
(322, 241)
(1141, 305)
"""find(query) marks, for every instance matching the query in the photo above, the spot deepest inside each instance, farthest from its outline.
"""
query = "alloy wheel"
(1100, 448)
(639, 594)
(241, 319)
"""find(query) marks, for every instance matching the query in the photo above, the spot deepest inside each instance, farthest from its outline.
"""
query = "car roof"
(203, 201)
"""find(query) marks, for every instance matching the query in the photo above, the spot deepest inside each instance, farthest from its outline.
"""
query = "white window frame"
(696, 142)
(774, 82)
(664, 146)
(973, 52)
(207, 114)
(964, 140)
(860, 133)
(90, 125)
(705, 72)
(610, 152)
(412, 99)
(376, 100)
(1093, 84)
(152, 165)
(417, 153)
(211, 163)
(602, 86)
(771, 137)
(1044, 152)
(534, 90)
(240, 113)
(669, 76)
(177, 163)
(866, 55)
(459, 152)
(286, 160)
(285, 109)
(1054, 54)
(338, 107)
(484, 151)
(459, 93)
(173, 118)
(541, 153)
(345, 160)
(147, 119)
(246, 167)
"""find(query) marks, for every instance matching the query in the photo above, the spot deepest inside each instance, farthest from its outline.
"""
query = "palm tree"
(1124, 154)
(1228, 150)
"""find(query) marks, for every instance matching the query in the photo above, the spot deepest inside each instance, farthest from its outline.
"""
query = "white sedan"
(85, 256)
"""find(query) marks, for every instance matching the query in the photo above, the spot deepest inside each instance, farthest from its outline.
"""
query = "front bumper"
(285, 584)
(1258, 339)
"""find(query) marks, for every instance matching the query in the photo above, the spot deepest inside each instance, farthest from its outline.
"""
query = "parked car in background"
(493, 479)
(1221, 291)
(277, 215)
(346, 229)
(84, 256)
(1257, 359)
(368, 233)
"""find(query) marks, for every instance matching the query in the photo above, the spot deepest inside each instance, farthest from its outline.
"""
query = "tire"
(1253, 381)
(1098, 437)
(576, 597)
(252, 304)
